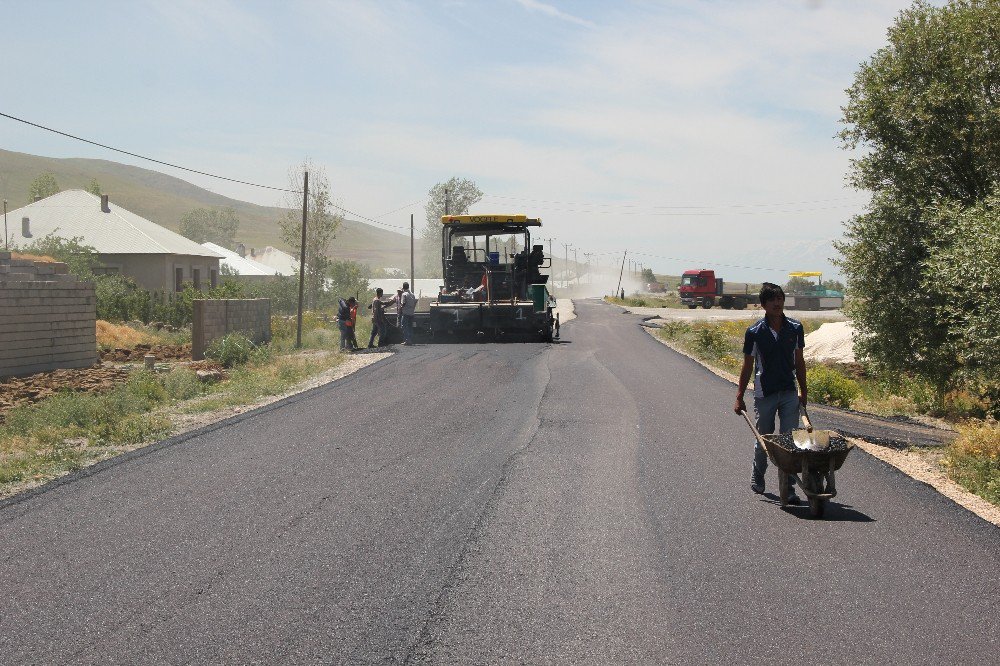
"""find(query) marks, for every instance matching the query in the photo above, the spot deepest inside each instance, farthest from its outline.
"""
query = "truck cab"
(700, 286)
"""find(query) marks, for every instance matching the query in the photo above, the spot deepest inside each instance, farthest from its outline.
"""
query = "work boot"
(757, 486)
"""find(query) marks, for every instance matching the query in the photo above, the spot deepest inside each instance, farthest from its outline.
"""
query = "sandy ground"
(920, 464)
(565, 310)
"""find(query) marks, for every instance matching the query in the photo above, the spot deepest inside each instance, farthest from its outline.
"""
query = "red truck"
(700, 287)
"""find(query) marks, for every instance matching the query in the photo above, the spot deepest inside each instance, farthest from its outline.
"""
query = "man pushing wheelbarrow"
(774, 347)
(772, 351)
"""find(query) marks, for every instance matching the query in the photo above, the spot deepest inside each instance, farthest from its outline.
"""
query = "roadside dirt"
(115, 367)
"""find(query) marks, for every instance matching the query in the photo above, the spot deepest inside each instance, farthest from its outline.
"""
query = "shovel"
(813, 440)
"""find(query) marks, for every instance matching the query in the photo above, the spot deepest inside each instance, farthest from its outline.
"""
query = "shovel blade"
(817, 440)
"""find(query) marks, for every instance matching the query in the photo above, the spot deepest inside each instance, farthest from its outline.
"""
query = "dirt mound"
(831, 343)
(17, 391)
(138, 353)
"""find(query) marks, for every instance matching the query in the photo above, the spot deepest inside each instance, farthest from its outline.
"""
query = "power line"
(676, 207)
(143, 157)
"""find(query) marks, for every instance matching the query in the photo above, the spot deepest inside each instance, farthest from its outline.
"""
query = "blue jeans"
(784, 405)
(407, 328)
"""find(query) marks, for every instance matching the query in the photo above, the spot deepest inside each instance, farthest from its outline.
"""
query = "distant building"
(282, 262)
(242, 268)
(155, 257)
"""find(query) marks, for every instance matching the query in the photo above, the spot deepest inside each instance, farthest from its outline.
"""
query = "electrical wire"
(143, 157)
(698, 207)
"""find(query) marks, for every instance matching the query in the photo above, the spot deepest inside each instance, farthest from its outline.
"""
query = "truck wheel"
(741, 305)
(707, 305)
(692, 306)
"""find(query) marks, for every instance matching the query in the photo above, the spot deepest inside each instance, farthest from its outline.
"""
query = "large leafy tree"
(924, 110)
(322, 223)
(211, 225)
(44, 185)
(459, 194)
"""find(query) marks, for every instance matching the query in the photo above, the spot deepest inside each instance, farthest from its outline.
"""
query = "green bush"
(710, 341)
(231, 350)
(829, 386)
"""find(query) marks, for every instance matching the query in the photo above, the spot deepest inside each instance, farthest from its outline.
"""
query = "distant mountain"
(165, 199)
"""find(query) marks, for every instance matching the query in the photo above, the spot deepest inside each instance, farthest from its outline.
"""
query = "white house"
(155, 257)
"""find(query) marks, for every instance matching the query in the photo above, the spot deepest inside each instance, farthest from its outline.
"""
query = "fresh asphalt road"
(583, 502)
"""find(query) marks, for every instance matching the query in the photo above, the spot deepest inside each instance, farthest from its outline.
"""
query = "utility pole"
(566, 247)
(5, 246)
(620, 273)
(412, 281)
(446, 203)
(302, 259)
(576, 266)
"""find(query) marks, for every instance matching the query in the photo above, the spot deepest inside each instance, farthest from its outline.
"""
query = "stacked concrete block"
(47, 318)
(217, 318)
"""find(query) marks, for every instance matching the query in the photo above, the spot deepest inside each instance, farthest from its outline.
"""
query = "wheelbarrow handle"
(806, 419)
(756, 434)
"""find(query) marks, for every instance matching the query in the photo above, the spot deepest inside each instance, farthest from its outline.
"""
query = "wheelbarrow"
(811, 456)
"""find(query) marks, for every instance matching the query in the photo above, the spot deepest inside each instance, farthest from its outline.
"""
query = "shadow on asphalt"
(835, 512)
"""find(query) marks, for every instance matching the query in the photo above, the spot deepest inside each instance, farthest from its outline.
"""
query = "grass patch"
(665, 301)
(973, 459)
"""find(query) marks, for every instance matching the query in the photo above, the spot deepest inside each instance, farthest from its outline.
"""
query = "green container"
(539, 295)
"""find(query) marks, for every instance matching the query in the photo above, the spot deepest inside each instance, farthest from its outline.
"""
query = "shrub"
(830, 387)
(231, 350)
(974, 459)
(181, 384)
(710, 341)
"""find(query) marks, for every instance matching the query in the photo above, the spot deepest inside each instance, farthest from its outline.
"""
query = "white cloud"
(554, 12)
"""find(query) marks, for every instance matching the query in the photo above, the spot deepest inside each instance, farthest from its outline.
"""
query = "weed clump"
(231, 350)
(973, 459)
(828, 386)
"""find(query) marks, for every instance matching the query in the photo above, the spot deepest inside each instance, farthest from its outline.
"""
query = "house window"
(179, 279)
(196, 274)
(213, 278)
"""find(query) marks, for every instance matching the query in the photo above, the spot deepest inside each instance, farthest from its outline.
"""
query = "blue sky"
(690, 133)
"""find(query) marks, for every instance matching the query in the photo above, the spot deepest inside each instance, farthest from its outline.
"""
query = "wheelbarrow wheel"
(816, 507)
(783, 488)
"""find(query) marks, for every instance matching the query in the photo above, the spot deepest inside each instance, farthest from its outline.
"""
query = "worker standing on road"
(774, 345)
(380, 323)
(344, 324)
(353, 303)
(407, 306)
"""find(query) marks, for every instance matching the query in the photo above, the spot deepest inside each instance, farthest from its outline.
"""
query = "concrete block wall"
(217, 317)
(47, 318)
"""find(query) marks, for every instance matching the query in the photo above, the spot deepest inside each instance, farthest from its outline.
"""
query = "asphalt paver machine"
(492, 280)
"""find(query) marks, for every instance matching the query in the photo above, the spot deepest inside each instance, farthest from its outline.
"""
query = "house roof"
(77, 213)
(240, 265)
(282, 262)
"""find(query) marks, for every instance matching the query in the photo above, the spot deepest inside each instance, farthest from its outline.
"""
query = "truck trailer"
(492, 282)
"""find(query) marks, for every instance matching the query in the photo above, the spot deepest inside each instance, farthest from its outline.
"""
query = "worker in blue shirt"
(772, 352)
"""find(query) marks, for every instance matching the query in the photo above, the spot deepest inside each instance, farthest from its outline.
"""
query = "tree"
(43, 186)
(798, 285)
(461, 194)
(322, 224)
(211, 225)
(647, 275)
(94, 187)
(348, 278)
(80, 259)
(925, 109)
